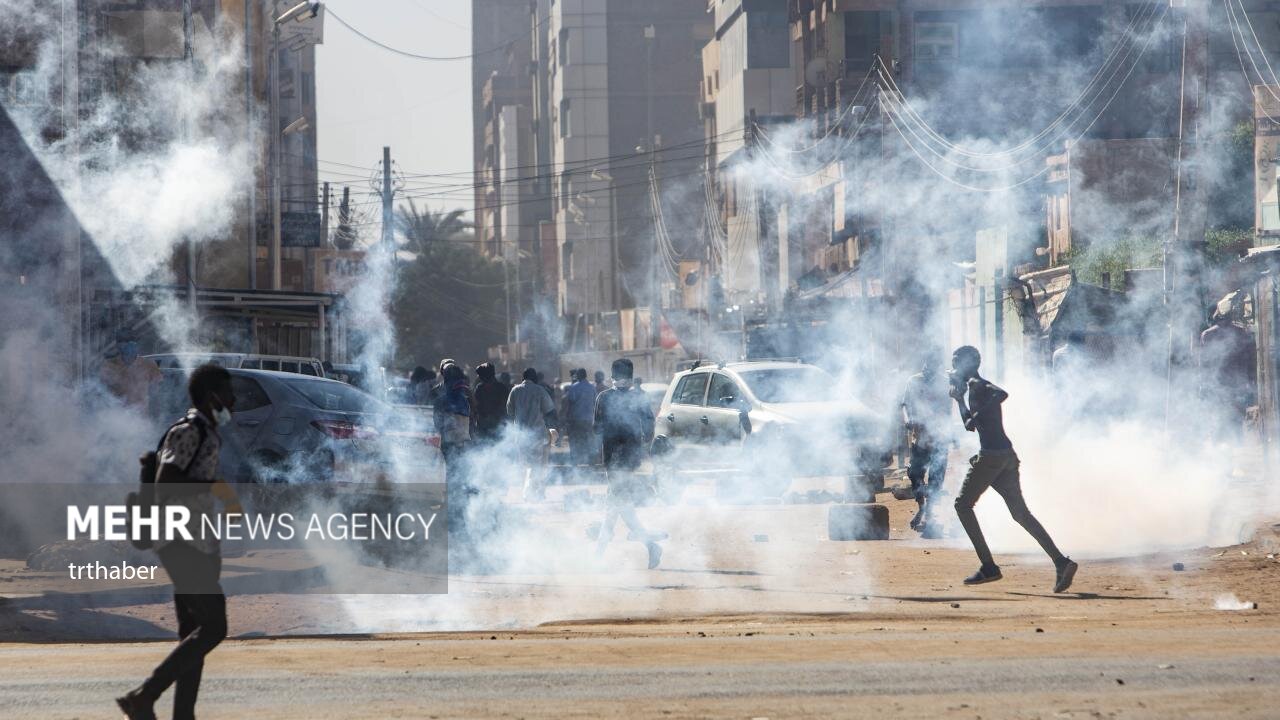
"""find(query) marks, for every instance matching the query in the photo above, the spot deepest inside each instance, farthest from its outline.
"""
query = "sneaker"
(984, 575)
(136, 707)
(918, 520)
(655, 554)
(1066, 573)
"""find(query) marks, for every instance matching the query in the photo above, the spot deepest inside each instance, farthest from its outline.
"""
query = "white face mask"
(222, 416)
(621, 384)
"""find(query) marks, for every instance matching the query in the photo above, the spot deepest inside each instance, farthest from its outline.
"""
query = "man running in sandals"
(995, 466)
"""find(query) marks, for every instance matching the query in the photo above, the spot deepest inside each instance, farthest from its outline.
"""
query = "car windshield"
(790, 385)
(336, 396)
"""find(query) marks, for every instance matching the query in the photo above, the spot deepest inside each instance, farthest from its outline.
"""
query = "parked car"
(247, 361)
(295, 428)
(772, 420)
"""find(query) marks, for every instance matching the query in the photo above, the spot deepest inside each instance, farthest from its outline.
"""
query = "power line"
(416, 56)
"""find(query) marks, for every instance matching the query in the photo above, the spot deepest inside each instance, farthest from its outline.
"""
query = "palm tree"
(421, 230)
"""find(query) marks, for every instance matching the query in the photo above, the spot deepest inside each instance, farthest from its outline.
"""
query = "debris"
(1166, 666)
(1039, 630)
(1178, 567)
(955, 605)
(1119, 681)
(701, 634)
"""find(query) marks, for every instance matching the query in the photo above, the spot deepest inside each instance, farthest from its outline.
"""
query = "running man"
(624, 421)
(995, 466)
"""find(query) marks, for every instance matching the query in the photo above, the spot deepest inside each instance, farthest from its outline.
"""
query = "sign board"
(300, 229)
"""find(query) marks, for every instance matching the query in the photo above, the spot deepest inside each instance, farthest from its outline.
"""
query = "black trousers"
(202, 624)
(998, 470)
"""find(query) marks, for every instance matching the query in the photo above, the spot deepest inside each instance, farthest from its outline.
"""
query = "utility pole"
(388, 228)
(188, 57)
(324, 217)
(274, 129)
(248, 121)
(655, 308)
(1183, 290)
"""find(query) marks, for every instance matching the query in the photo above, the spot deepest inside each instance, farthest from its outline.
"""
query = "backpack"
(149, 467)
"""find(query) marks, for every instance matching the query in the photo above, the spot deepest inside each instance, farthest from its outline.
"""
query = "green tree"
(421, 229)
(450, 299)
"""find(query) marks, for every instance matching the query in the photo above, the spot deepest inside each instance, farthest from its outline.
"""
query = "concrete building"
(747, 78)
(501, 38)
(111, 55)
(621, 98)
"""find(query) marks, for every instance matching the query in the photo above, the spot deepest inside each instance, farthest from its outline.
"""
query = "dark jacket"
(624, 421)
(491, 406)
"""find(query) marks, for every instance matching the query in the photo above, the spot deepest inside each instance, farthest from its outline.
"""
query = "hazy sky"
(369, 97)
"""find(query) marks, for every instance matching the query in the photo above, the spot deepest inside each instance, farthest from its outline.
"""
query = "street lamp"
(302, 11)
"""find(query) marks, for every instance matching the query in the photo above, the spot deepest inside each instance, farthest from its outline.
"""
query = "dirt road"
(838, 629)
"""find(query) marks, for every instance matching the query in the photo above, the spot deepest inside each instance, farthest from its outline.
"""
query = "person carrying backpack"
(186, 461)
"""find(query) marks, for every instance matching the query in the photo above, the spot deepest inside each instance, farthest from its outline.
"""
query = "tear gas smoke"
(1104, 476)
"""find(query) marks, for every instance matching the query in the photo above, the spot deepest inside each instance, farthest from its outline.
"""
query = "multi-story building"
(747, 81)
(501, 39)
(112, 55)
(620, 104)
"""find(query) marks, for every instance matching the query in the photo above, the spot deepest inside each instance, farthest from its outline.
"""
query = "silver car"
(287, 427)
(771, 420)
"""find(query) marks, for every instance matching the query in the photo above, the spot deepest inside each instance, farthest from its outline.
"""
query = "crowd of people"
(604, 424)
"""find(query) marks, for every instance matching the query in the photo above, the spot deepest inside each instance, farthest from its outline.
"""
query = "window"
(563, 57)
(691, 389)
(271, 365)
(309, 369)
(861, 40)
(332, 395)
(722, 387)
(936, 41)
(565, 130)
(1270, 217)
(564, 190)
(768, 40)
(251, 365)
(790, 385)
(290, 367)
(249, 394)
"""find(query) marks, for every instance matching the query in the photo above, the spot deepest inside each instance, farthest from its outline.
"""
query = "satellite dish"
(815, 71)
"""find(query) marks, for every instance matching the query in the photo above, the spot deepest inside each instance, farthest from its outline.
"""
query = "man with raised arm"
(995, 466)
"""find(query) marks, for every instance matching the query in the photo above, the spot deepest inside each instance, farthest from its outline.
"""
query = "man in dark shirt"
(995, 466)
(491, 403)
(624, 421)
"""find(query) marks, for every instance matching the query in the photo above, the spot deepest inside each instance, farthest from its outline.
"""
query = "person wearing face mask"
(187, 463)
(624, 421)
(128, 376)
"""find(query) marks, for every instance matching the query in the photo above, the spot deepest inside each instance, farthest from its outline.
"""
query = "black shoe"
(655, 554)
(918, 520)
(135, 706)
(1066, 573)
(985, 574)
